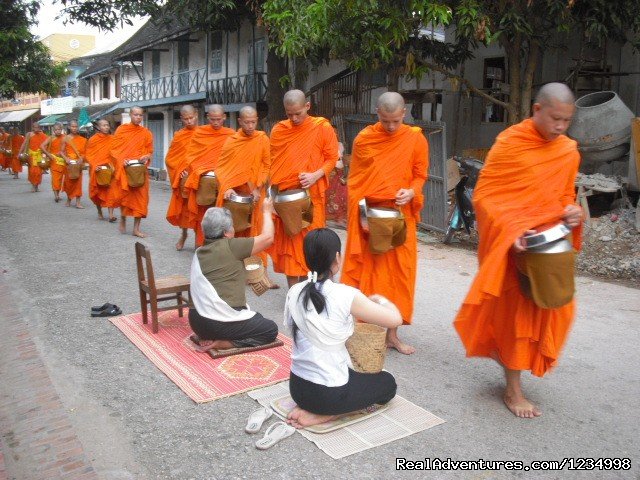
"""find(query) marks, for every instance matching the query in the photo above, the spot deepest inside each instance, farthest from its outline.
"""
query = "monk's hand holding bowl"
(404, 196)
(256, 195)
(145, 159)
(520, 245)
(308, 179)
(572, 215)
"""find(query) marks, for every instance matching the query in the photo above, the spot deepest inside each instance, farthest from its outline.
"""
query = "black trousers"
(252, 332)
(361, 391)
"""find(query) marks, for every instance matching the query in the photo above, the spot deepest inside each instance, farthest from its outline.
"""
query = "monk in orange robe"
(98, 153)
(73, 150)
(527, 183)
(203, 153)
(389, 165)
(178, 211)
(5, 145)
(304, 151)
(131, 141)
(16, 143)
(51, 148)
(31, 145)
(243, 168)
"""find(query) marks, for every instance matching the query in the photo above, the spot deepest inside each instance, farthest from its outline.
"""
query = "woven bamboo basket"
(367, 347)
(256, 275)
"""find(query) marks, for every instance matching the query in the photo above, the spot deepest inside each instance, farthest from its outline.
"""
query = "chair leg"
(143, 306)
(154, 313)
(180, 304)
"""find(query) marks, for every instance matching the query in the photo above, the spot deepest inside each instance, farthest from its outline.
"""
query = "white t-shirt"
(329, 365)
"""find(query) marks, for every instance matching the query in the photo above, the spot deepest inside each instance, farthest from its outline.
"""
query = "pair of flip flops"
(106, 310)
(274, 434)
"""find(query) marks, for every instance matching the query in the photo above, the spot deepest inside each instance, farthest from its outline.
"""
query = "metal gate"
(157, 129)
(434, 212)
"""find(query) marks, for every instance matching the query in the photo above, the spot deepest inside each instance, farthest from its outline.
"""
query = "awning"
(3, 115)
(19, 115)
(50, 120)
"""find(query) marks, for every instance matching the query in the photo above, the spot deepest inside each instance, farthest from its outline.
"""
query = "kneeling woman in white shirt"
(320, 314)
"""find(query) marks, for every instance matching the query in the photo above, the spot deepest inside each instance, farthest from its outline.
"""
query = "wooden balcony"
(183, 83)
(250, 88)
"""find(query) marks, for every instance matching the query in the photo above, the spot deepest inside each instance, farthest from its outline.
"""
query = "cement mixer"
(602, 127)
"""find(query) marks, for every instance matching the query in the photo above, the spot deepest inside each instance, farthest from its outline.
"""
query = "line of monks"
(388, 169)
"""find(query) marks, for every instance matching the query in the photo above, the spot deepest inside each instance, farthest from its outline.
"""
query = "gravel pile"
(611, 246)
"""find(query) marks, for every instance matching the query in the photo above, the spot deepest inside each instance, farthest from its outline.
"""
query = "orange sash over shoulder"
(16, 143)
(245, 159)
(130, 142)
(98, 152)
(202, 156)
(308, 147)
(382, 164)
(58, 167)
(178, 211)
(73, 188)
(526, 183)
(34, 143)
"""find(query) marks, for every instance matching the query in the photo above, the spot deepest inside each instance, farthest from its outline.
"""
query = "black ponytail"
(320, 247)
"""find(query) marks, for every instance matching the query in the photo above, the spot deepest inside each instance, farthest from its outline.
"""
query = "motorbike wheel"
(451, 230)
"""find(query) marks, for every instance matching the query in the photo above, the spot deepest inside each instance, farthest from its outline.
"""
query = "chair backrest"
(143, 253)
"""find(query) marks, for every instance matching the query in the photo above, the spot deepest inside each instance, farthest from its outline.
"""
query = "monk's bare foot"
(139, 234)
(300, 418)
(79, 206)
(68, 204)
(180, 244)
(520, 406)
(273, 285)
(123, 225)
(394, 342)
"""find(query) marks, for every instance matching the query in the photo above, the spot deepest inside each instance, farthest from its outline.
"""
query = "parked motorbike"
(461, 213)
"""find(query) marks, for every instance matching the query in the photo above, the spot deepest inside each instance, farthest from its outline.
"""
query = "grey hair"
(216, 222)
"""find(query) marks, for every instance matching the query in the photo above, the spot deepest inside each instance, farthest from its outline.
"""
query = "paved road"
(129, 421)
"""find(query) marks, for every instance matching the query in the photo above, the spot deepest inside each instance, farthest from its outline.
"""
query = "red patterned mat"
(198, 375)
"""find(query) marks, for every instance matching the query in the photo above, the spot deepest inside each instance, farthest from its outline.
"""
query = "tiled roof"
(151, 34)
(101, 62)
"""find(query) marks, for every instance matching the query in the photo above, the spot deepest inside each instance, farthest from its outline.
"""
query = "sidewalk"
(38, 440)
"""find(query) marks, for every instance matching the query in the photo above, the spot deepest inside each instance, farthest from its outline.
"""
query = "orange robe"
(16, 143)
(5, 142)
(382, 164)
(526, 182)
(308, 147)
(73, 188)
(98, 152)
(202, 157)
(130, 142)
(245, 159)
(33, 149)
(58, 166)
(178, 211)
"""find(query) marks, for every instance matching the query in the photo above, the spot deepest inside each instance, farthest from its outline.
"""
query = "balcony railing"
(250, 88)
(183, 83)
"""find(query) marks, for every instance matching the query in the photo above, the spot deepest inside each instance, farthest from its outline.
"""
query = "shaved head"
(248, 120)
(555, 91)
(390, 102)
(294, 97)
(103, 125)
(247, 112)
(138, 109)
(553, 110)
(187, 110)
(215, 108)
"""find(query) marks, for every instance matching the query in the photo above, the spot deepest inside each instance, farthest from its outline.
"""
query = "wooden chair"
(152, 289)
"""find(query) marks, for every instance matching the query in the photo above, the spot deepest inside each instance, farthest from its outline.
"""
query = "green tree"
(390, 34)
(25, 63)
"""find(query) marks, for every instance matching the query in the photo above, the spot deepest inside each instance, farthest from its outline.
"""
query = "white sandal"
(276, 432)
(256, 419)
